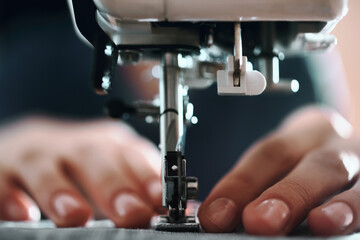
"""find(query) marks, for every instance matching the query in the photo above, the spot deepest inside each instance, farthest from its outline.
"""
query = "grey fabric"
(104, 230)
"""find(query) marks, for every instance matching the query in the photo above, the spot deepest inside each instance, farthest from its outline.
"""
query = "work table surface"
(104, 230)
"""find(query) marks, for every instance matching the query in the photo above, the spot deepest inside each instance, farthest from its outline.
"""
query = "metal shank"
(177, 187)
(171, 110)
(171, 104)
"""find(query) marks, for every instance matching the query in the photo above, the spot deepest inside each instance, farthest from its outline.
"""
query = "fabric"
(104, 230)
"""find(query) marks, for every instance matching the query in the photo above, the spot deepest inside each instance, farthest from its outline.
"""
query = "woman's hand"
(287, 177)
(67, 169)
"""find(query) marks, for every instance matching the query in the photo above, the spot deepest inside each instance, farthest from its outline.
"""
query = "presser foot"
(168, 224)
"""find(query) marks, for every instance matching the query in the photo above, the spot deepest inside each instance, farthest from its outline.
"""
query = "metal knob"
(192, 187)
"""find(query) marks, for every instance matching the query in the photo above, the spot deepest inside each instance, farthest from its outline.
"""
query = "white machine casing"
(330, 11)
(117, 17)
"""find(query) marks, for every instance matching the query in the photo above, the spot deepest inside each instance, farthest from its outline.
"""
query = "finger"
(143, 160)
(111, 187)
(139, 157)
(340, 215)
(15, 204)
(54, 193)
(263, 165)
(283, 206)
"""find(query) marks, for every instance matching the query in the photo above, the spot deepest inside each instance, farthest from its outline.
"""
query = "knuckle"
(89, 155)
(108, 178)
(31, 156)
(238, 180)
(45, 180)
(300, 193)
(39, 169)
(28, 158)
(243, 184)
(328, 159)
(86, 149)
(278, 150)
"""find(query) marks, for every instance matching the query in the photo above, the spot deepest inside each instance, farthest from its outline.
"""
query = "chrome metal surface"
(171, 110)
(238, 54)
(171, 104)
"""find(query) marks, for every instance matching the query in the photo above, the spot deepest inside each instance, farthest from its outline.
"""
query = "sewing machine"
(198, 43)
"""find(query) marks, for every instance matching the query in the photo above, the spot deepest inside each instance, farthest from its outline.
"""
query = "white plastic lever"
(251, 82)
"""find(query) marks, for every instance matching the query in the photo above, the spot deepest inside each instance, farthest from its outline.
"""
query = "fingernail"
(155, 189)
(126, 203)
(222, 212)
(274, 212)
(340, 213)
(34, 213)
(15, 210)
(65, 204)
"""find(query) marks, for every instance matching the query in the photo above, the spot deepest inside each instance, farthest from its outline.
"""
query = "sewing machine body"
(199, 43)
(226, 10)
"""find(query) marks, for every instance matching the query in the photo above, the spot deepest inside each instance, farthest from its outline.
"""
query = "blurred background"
(348, 35)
